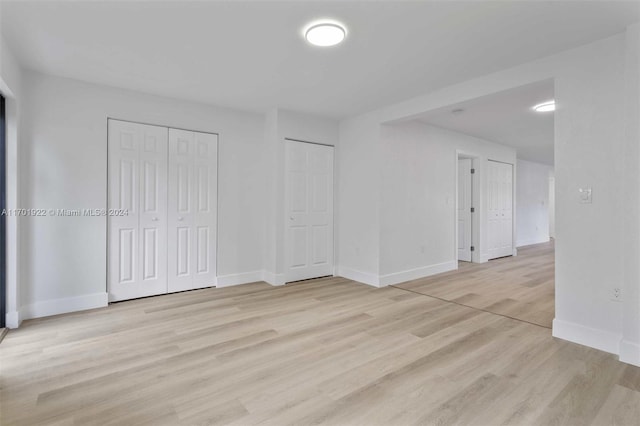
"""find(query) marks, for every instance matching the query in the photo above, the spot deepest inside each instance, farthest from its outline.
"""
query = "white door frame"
(285, 214)
(476, 197)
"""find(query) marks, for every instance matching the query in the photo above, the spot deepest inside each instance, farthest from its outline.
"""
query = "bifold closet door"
(138, 229)
(192, 210)
(500, 209)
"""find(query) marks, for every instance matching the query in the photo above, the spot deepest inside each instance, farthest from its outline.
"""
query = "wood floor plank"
(465, 347)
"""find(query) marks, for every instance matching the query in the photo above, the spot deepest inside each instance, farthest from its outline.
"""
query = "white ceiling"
(251, 55)
(505, 117)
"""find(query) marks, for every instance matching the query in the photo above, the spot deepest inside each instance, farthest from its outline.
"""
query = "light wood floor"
(328, 351)
(522, 287)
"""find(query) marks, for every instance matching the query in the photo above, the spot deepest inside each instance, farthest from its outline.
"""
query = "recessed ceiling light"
(545, 106)
(325, 34)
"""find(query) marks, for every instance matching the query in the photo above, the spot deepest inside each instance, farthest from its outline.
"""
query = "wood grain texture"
(521, 287)
(327, 351)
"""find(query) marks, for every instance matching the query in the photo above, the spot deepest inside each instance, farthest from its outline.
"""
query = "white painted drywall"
(418, 197)
(552, 206)
(11, 89)
(630, 344)
(358, 217)
(65, 166)
(532, 200)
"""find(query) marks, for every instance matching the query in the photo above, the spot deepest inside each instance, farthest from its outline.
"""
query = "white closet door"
(192, 209)
(137, 184)
(500, 209)
(464, 209)
(309, 210)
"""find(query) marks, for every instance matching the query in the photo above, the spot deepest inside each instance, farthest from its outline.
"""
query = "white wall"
(532, 201)
(630, 344)
(11, 88)
(65, 166)
(590, 150)
(358, 216)
(552, 206)
(418, 197)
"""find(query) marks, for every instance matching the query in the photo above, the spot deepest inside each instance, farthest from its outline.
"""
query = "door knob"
(181, 218)
(290, 217)
(155, 219)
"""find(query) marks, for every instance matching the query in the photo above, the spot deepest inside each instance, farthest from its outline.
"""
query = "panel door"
(500, 209)
(309, 210)
(137, 184)
(192, 210)
(464, 209)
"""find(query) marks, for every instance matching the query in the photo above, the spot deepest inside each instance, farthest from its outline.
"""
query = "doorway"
(309, 210)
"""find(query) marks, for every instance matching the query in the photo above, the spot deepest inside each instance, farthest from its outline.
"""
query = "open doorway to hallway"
(504, 210)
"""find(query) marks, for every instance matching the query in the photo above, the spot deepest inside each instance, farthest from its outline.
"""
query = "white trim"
(414, 274)
(13, 319)
(630, 352)
(62, 306)
(587, 336)
(238, 279)
(359, 276)
(273, 278)
(532, 241)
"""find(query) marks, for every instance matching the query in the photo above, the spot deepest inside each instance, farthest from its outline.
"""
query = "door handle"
(155, 219)
(181, 218)
(290, 217)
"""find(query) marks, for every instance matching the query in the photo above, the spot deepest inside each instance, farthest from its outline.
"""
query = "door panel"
(137, 240)
(464, 209)
(192, 209)
(309, 210)
(500, 209)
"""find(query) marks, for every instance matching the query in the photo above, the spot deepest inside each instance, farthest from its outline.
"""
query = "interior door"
(500, 209)
(192, 210)
(138, 229)
(309, 210)
(464, 209)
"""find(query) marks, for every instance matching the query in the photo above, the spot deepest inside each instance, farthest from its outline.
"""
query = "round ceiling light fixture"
(545, 107)
(325, 34)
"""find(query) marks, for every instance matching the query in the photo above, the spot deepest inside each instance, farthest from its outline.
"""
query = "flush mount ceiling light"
(545, 107)
(325, 34)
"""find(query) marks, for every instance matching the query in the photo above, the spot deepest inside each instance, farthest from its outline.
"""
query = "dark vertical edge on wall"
(3, 217)
(106, 224)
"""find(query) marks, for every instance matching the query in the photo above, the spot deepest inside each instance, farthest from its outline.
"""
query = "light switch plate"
(585, 195)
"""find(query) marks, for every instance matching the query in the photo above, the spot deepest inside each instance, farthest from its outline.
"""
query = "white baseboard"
(13, 319)
(47, 308)
(414, 274)
(630, 352)
(238, 279)
(272, 278)
(359, 276)
(587, 336)
(532, 241)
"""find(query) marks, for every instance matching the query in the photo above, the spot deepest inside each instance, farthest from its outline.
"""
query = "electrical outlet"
(616, 294)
